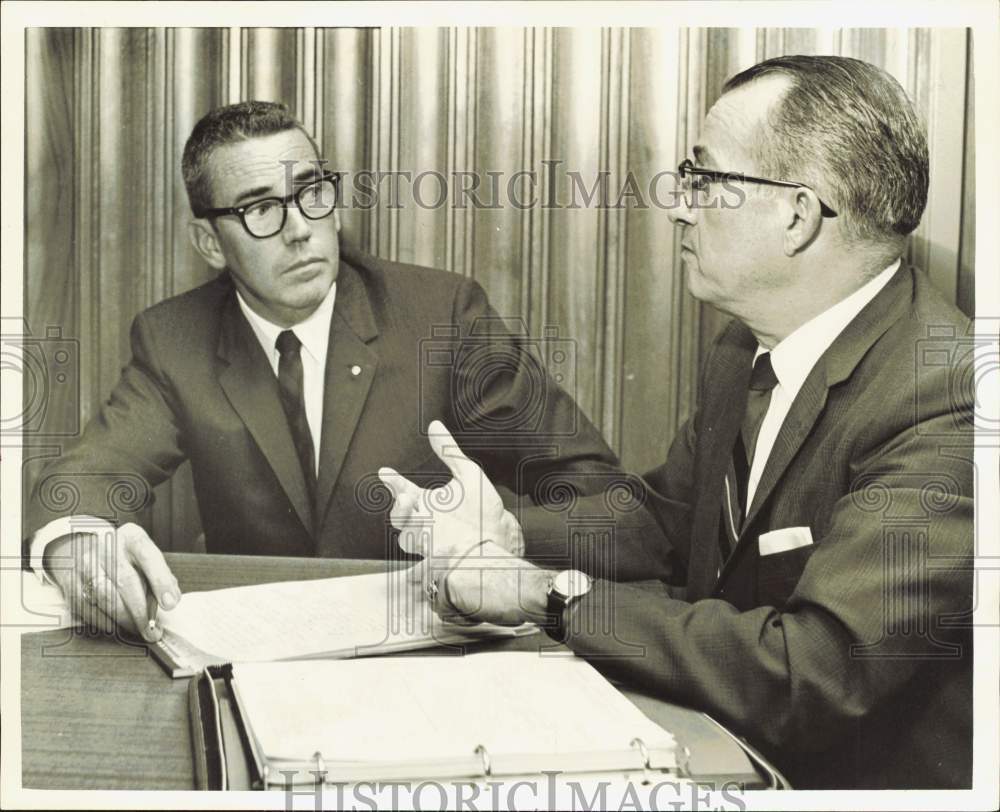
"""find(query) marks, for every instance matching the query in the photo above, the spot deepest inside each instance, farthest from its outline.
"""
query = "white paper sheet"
(394, 709)
(352, 615)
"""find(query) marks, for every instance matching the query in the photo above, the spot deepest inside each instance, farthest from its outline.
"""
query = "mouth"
(303, 263)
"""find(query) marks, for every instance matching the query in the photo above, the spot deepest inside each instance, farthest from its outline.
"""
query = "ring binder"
(644, 754)
(235, 760)
(484, 754)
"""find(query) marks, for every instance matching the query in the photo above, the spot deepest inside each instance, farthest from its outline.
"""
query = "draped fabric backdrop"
(108, 112)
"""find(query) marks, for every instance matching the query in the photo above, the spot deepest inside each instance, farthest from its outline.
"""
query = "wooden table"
(98, 713)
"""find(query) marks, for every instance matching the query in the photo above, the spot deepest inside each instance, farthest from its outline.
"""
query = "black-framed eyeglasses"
(693, 175)
(266, 217)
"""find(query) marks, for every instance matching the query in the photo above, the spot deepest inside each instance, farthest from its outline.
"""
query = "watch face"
(572, 583)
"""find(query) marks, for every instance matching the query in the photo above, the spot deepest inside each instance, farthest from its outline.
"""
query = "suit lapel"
(806, 408)
(833, 367)
(724, 403)
(350, 369)
(252, 388)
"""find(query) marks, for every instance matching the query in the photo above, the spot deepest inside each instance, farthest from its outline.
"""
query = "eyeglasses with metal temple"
(689, 172)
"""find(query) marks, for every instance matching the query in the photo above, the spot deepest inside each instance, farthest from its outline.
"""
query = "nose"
(297, 226)
(681, 212)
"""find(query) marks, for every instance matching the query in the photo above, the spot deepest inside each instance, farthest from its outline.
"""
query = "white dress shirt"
(314, 333)
(793, 359)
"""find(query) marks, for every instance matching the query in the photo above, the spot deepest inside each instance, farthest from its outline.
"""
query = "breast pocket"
(778, 574)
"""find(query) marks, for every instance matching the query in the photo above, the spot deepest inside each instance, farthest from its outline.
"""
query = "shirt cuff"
(57, 528)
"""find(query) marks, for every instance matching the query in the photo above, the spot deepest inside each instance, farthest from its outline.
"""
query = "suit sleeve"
(802, 677)
(128, 448)
(649, 532)
(576, 506)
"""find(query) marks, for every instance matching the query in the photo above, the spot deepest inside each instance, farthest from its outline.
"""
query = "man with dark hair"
(287, 381)
(818, 505)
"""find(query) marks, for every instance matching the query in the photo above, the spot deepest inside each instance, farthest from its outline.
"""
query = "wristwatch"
(564, 589)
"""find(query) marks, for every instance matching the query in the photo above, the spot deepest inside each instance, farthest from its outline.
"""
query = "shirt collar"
(794, 356)
(313, 332)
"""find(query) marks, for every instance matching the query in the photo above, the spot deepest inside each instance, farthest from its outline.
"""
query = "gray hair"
(850, 127)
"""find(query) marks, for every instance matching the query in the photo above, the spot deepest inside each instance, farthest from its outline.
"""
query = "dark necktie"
(762, 381)
(293, 402)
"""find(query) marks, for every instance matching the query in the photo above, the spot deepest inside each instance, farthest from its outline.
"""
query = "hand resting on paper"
(112, 579)
(486, 585)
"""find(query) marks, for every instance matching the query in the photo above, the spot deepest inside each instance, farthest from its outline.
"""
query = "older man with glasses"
(287, 381)
(818, 505)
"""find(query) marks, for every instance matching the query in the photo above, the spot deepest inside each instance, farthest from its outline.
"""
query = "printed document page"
(397, 709)
(349, 616)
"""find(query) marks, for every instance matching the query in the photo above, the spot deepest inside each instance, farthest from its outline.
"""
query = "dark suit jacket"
(848, 661)
(199, 387)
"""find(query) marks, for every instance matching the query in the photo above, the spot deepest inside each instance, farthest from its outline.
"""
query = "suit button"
(355, 370)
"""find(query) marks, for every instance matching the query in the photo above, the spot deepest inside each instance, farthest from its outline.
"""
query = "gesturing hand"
(112, 578)
(458, 515)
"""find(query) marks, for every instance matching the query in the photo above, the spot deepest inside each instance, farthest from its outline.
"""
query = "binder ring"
(640, 745)
(484, 754)
(320, 766)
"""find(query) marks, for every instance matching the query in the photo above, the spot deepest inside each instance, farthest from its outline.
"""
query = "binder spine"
(259, 770)
(206, 728)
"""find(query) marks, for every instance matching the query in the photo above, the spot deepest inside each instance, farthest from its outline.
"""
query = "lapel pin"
(355, 370)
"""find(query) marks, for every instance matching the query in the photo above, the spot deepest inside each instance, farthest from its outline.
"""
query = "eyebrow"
(250, 194)
(310, 171)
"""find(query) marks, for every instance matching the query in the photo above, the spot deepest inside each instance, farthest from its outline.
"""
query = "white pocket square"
(781, 541)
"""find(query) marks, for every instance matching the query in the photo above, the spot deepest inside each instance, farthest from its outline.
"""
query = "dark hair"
(228, 125)
(848, 127)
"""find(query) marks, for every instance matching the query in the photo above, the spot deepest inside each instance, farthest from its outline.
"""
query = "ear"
(206, 242)
(803, 223)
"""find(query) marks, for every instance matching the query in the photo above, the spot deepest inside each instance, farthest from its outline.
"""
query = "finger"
(397, 483)
(390, 478)
(429, 573)
(107, 610)
(147, 558)
(449, 452)
(403, 511)
(416, 574)
(414, 540)
(452, 611)
(86, 583)
(130, 602)
(406, 496)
